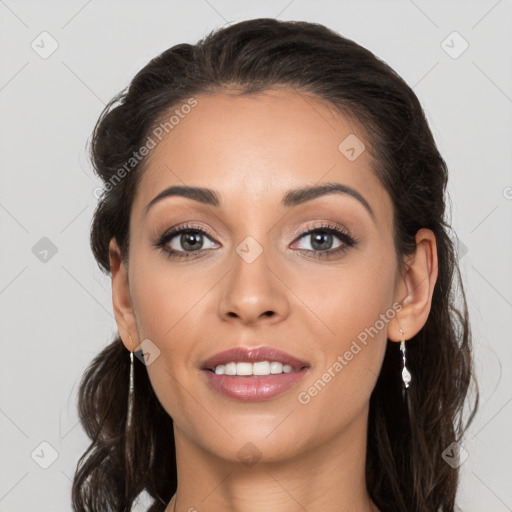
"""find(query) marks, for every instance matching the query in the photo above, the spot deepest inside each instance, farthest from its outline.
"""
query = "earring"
(130, 390)
(406, 376)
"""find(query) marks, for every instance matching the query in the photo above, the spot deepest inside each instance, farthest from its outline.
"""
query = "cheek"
(347, 300)
(165, 300)
(169, 306)
(354, 305)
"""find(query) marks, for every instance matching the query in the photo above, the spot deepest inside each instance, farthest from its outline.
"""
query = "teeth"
(276, 367)
(258, 368)
(230, 369)
(244, 368)
(261, 368)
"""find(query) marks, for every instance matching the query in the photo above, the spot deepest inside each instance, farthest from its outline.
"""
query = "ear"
(415, 288)
(121, 299)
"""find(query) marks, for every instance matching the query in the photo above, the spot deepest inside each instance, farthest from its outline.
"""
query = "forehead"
(255, 147)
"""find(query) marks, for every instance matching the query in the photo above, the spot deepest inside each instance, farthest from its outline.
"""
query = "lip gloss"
(253, 388)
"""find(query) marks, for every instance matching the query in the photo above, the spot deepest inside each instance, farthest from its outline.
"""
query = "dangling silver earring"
(130, 390)
(406, 376)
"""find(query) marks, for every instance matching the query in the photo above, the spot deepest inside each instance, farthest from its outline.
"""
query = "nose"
(253, 293)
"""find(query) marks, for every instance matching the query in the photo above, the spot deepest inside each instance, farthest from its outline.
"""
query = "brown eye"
(185, 241)
(190, 241)
(325, 240)
(320, 241)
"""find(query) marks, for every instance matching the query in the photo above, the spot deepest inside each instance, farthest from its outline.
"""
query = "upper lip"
(253, 355)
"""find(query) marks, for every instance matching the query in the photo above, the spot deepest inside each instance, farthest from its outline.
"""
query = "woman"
(273, 219)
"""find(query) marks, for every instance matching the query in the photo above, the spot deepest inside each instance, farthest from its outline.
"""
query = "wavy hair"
(405, 470)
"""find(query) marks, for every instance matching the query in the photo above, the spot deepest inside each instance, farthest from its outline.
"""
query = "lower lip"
(254, 388)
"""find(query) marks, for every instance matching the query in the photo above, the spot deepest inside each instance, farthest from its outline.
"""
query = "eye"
(184, 241)
(190, 240)
(322, 240)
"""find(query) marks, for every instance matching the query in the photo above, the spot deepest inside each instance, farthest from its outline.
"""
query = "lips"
(253, 355)
(254, 387)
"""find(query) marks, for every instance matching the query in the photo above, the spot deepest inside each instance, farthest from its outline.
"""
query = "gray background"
(56, 309)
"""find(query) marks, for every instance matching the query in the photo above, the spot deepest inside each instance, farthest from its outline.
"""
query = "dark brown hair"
(405, 470)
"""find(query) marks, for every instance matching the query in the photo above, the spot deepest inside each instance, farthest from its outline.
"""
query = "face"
(313, 276)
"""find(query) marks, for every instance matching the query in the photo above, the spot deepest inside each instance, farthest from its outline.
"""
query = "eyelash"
(346, 239)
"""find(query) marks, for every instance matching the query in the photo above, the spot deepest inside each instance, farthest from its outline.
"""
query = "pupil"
(319, 240)
(190, 241)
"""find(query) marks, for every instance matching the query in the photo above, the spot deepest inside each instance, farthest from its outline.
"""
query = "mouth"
(253, 374)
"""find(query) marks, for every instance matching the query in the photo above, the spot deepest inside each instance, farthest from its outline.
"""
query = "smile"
(253, 374)
(258, 368)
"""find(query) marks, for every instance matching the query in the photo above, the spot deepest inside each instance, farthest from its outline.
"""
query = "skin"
(252, 150)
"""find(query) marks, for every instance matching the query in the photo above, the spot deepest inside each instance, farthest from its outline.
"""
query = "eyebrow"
(293, 197)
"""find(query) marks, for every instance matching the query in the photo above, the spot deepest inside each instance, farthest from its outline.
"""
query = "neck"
(328, 477)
